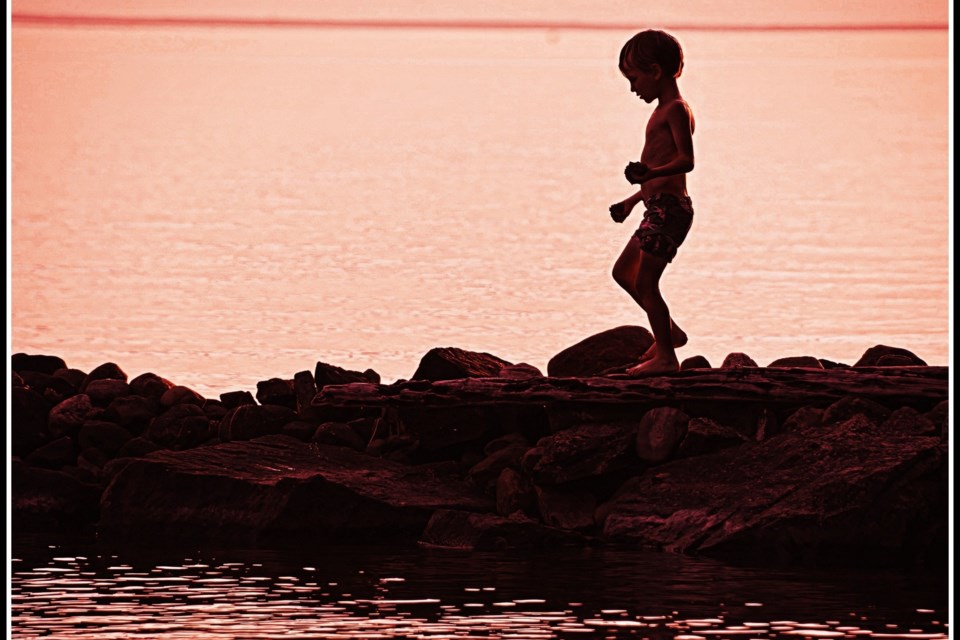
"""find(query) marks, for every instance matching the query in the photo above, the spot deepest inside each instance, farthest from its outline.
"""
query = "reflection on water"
(68, 591)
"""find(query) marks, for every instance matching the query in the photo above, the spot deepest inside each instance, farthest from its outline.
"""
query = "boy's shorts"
(665, 224)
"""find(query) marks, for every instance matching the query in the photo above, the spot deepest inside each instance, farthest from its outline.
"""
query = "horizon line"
(316, 23)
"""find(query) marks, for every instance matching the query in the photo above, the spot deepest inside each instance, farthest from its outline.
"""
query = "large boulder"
(450, 363)
(21, 362)
(583, 453)
(180, 427)
(51, 501)
(613, 349)
(272, 489)
(895, 356)
(326, 374)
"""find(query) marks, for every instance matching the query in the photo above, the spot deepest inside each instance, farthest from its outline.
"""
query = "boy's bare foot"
(653, 367)
(679, 339)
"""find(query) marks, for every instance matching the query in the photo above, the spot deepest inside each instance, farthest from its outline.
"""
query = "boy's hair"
(652, 47)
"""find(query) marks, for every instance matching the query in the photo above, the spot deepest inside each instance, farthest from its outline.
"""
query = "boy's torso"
(658, 148)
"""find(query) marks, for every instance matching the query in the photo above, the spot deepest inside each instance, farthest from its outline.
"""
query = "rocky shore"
(804, 460)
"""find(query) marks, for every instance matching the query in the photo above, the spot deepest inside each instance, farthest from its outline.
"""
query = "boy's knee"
(622, 278)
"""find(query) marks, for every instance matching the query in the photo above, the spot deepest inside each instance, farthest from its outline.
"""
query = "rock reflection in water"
(359, 593)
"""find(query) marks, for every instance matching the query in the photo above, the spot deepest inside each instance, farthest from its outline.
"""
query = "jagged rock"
(150, 385)
(28, 412)
(804, 362)
(485, 532)
(850, 492)
(277, 392)
(106, 371)
(694, 362)
(803, 418)
(484, 474)
(233, 399)
(849, 406)
(706, 436)
(305, 388)
(182, 426)
(103, 392)
(584, 452)
(909, 421)
(133, 413)
(872, 356)
(54, 455)
(21, 362)
(515, 493)
(328, 374)
(68, 416)
(737, 360)
(450, 363)
(274, 489)
(660, 433)
(50, 501)
(178, 394)
(105, 436)
(572, 510)
(338, 434)
(520, 371)
(612, 350)
(136, 448)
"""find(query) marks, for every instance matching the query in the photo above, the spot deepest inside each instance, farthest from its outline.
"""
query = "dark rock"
(182, 426)
(694, 362)
(520, 371)
(137, 448)
(450, 363)
(571, 510)
(847, 493)
(872, 356)
(584, 452)
(103, 392)
(214, 409)
(660, 433)
(830, 364)
(614, 349)
(305, 388)
(150, 385)
(16, 381)
(106, 371)
(234, 399)
(50, 501)
(737, 360)
(767, 424)
(73, 377)
(803, 418)
(706, 436)
(484, 474)
(28, 413)
(300, 430)
(179, 394)
(44, 382)
(54, 455)
(275, 489)
(104, 436)
(338, 434)
(803, 362)
(133, 413)
(907, 420)
(21, 362)
(847, 407)
(277, 392)
(485, 532)
(504, 441)
(445, 432)
(252, 421)
(897, 361)
(92, 461)
(940, 415)
(327, 374)
(515, 493)
(68, 416)
(398, 447)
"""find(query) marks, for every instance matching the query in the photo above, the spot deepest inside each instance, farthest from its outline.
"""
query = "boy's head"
(652, 47)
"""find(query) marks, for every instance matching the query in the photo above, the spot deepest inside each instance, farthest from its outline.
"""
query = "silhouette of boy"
(652, 61)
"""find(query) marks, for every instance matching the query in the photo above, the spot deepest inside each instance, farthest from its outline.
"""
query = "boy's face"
(643, 82)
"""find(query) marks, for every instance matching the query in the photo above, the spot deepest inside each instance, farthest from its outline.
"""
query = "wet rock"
(103, 392)
(136, 448)
(54, 455)
(277, 392)
(150, 385)
(612, 350)
(706, 436)
(104, 436)
(233, 399)
(484, 474)
(67, 417)
(520, 371)
(21, 362)
(515, 493)
(50, 501)
(572, 510)
(28, 412)
(873, 356)
(133, 413)
(737, 360)
(305, 388)
(485, 532)
(694, 362)
(451, 363)
(803, 362)
(338, 434)
(275, 489)
(182, 426)
(660, 433)
(179, 394)
(106, 371)
(327, 374)
(850, 406)
(581, 453)
(907, 420)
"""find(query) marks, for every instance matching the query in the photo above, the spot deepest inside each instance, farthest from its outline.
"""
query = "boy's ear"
(657, 71)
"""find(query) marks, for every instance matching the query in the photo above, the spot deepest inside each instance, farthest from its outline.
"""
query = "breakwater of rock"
(801, 460)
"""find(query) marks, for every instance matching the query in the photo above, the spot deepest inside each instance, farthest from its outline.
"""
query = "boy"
(652, 61)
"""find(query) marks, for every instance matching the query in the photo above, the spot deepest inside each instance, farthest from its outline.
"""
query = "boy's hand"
(635, 172)
(620, 211)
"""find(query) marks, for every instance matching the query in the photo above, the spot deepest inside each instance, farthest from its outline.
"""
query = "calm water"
(221, 206)
(81, 591)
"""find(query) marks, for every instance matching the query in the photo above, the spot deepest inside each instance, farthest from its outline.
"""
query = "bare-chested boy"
(652, 61)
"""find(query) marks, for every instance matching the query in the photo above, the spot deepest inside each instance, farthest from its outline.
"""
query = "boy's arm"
(681, 128)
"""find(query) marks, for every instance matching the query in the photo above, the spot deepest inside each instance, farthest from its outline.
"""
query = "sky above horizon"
(659, 13)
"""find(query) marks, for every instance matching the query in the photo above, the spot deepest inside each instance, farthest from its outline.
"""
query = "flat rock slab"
(275, 488)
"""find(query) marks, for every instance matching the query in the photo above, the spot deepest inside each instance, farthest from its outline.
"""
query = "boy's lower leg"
(663, 358)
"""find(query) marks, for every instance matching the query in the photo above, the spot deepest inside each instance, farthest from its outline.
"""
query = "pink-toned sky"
(662, 13)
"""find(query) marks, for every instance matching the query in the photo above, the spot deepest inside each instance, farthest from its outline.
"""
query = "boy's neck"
(669, 91)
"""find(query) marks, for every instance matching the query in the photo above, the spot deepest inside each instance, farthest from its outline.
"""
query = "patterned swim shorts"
(665, 224)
